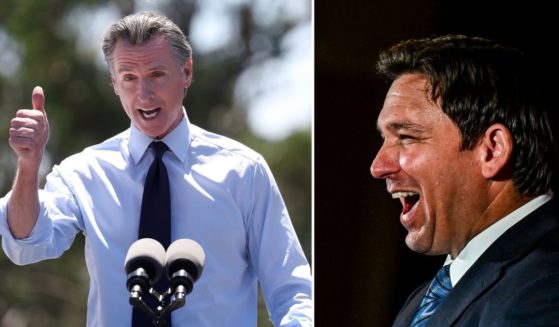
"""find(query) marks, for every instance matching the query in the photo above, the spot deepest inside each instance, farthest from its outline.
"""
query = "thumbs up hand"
(29, 131)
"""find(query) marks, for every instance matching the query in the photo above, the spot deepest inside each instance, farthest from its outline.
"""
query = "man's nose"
(145, 91)
(385, 162)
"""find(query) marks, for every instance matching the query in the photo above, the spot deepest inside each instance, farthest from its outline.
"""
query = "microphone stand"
(158, 315)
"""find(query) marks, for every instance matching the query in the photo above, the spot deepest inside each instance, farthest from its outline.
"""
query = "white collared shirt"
(223, 196)
(481, 242)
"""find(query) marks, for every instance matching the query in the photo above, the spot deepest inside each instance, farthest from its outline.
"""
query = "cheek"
(433, 172)
(127, 103)
(168, 91)
(417, 162)
(438, 160)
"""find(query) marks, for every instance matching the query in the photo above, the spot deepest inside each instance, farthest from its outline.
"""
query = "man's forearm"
(23, 205)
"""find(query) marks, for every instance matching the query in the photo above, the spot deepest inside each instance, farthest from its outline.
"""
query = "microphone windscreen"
(148, 254)
(185, 254)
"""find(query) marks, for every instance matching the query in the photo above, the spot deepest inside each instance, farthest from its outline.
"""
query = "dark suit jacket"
(514, 283)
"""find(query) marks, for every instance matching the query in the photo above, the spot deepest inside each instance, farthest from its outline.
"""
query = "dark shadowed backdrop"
(363, 269)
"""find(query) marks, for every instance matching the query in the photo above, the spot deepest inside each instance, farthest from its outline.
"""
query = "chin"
(154, 133)
(416, 244)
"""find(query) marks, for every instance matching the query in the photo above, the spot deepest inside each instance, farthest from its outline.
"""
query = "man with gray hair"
(212, 190)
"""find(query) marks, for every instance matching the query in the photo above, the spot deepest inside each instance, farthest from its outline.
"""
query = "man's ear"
(187, 73)
(495, 149)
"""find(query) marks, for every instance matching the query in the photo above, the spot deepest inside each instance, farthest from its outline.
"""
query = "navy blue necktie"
(437, 292)
(155, 222)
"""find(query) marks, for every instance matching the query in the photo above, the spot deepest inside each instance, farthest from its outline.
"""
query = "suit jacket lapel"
(408, 310)
(470, 287)
(514, 243)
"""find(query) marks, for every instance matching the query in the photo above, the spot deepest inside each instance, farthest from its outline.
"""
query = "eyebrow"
(126, 68)
(406, 126)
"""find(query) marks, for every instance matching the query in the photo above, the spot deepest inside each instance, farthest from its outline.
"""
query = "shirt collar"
(175, 140)
(477, 246)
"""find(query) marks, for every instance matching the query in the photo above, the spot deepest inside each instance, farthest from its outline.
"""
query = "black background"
(363, 270)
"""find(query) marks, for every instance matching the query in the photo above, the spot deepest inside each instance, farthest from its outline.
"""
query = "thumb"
(38, 98)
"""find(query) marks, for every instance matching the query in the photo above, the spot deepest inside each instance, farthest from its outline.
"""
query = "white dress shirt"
(481, 242)
(223, 196)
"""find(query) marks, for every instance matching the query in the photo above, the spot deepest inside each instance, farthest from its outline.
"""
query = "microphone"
(143, 266)
(184, 263)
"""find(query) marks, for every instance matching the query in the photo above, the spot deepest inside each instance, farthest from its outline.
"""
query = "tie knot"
(438, 290)
(441, 285)
(443, 278)
(159, 148)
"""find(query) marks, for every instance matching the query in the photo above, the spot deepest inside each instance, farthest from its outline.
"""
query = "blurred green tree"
(41, 45)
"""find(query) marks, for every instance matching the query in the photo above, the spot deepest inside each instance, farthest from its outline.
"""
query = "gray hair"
(139, 28)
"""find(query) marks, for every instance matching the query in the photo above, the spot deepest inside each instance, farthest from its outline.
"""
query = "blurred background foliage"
(46, 43)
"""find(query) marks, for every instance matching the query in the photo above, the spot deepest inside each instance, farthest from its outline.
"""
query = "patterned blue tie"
(437, 292)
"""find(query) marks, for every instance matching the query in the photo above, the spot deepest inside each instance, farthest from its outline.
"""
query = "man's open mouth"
(408, 200)
(149, 114)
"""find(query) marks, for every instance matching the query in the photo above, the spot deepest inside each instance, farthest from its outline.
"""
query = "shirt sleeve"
(276, 255)
(56, 227)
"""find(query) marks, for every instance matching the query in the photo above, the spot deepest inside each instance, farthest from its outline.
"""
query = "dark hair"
(139, 28)
(479, 83)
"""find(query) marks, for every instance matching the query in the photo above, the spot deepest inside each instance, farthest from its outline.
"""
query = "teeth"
(398, 195)
(149, 114)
